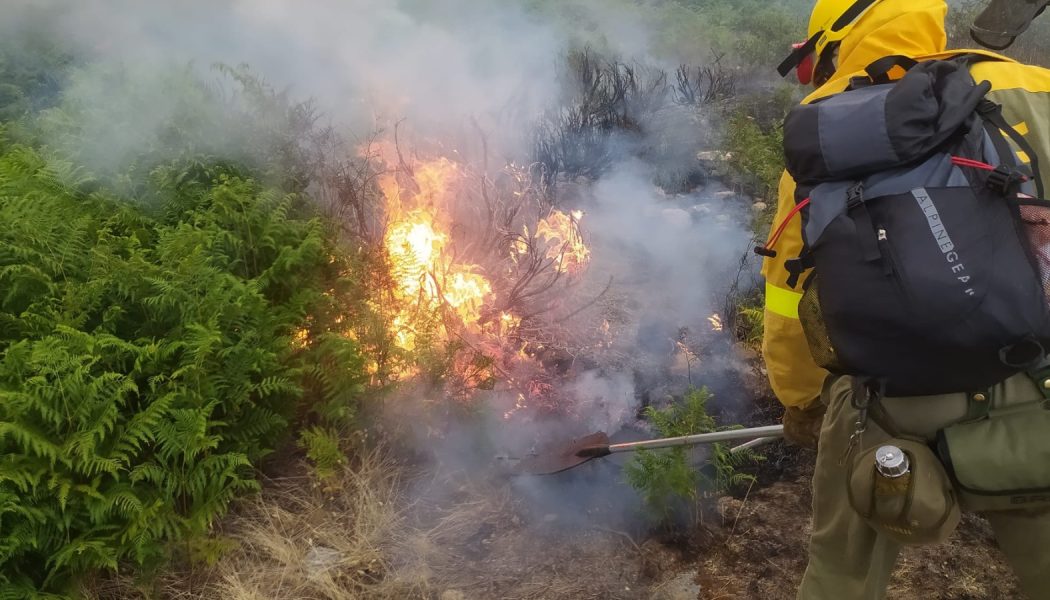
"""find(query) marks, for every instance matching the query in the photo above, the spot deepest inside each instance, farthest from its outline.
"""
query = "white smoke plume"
(366, 62)
(438, 64)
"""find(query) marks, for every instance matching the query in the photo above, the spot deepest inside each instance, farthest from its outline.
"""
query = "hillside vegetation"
(184, 309)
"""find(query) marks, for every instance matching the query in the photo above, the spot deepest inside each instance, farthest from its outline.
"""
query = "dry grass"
(382, 532)
(474, 537)
(299, 539)
(448, 520)
(322, 542)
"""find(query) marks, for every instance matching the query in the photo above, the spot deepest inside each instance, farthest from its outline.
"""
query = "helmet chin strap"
(817, 47)
(810, 68)
(800, 53)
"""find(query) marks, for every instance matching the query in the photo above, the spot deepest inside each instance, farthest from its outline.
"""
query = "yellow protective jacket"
(913, 28)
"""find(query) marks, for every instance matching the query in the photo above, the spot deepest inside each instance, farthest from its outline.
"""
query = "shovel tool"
(596, 445)
(1002, 21)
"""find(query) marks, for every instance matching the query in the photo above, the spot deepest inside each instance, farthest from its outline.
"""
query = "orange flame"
(561, 233)
(441, 296)
(416, 242)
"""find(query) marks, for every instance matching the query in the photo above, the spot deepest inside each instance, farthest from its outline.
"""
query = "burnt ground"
(470, 538)
(392, 530)
(748, 546)
(758, 550)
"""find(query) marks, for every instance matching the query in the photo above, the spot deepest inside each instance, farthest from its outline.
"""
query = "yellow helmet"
(829, 23)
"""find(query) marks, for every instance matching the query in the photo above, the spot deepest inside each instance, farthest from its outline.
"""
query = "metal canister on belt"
(892, 480)
(892, 462)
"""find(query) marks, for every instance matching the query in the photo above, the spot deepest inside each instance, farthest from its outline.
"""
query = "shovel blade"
(566, 457)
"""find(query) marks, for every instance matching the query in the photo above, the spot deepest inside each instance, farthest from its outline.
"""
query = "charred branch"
(700, 86)
(614, 110)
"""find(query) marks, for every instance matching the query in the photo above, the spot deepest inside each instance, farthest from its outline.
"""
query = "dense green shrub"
(32, 71)
(753, 137)
(755, 33)
(757, 156)
(146, 366)
(124, 123)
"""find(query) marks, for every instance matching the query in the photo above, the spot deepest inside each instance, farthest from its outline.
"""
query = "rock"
(452, 595)
(714, 156)
(759, 207)
(550, 518)
(729, 509)
(681, 587)
(321, 559)
(677, 218)
(702, 209)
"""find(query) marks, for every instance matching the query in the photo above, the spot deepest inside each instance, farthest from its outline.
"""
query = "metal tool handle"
(753, 444)
(771, 431)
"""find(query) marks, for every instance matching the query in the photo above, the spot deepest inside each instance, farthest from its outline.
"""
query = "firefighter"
(848, 559)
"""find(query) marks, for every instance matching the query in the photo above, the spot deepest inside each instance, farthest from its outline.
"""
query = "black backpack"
(926, 246)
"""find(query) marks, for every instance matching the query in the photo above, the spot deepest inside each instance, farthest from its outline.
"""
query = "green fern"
(323, 448)
(665, 479)
(163, 322)
(146, 366)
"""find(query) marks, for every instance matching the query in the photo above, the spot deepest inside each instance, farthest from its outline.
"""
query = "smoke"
(675, 258)
(366, 63)
(146, 75)
(607, 401)
(678, 249)
(671, 259)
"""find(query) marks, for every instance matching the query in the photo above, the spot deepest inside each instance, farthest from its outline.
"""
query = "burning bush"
(479, 265)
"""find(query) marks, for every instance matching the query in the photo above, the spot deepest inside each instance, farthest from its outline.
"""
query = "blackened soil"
(753, 545)
(758, 546)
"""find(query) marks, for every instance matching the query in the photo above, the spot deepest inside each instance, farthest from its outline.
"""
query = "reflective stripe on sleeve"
(782, 302)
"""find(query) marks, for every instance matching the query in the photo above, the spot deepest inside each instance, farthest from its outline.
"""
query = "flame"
(716, 322)
(519, 404)
(444, 299)
(413, 245)
(561, 233)
(436, 177)
(417, 244)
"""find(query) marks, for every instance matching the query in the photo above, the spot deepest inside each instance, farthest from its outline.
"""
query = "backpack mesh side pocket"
(812, 318)
(1036, 222)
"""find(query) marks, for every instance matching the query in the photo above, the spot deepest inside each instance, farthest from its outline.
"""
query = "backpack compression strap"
(992, 113)
(878, 72)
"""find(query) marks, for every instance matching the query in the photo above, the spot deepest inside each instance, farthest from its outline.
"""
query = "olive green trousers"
(848, 560)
